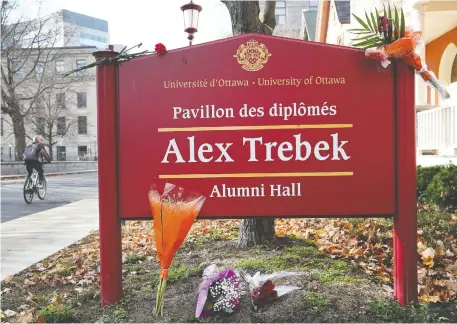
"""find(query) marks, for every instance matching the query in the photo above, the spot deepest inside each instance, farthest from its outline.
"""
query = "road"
(62, 190)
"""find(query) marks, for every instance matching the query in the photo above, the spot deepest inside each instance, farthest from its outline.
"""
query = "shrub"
(424, 177)
(442, 189)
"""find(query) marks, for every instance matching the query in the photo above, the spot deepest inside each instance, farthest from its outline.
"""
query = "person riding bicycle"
(34, 154)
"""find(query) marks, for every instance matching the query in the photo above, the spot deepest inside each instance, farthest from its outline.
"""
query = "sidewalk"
(27, 240)
(52, 174)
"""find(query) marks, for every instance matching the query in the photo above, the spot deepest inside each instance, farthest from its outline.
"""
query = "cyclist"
(34, 154)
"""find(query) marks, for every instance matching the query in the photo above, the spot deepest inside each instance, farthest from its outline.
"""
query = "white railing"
(437, 131)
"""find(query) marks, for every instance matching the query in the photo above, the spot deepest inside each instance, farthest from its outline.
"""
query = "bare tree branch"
(29, 51)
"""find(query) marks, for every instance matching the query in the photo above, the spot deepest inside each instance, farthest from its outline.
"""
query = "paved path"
(62, 190)
(28, 240)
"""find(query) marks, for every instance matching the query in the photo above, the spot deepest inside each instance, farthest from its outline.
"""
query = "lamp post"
(95, 148)
(11, 155)
(191, 11)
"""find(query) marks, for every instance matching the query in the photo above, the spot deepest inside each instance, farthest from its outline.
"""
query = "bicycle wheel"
(42, 189)
(28, 191)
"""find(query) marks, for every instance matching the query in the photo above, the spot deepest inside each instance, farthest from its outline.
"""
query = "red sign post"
(263, 127)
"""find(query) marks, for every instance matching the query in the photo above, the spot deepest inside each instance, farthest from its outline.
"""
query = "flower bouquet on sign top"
(385, 37)
(174, 212)
(219, 292)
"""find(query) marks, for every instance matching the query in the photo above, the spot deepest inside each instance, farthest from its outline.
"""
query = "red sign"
(261, 126)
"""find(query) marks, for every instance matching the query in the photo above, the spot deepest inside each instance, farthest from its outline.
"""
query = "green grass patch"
(316, 301)
(305, 257)
(63, 268)
(213, 236)
(58, 314)
(133, 258)
(391, 311)
(120, 315)
(182, 272)
(291, 258)
(338, 271)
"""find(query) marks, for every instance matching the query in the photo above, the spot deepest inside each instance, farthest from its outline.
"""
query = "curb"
(54, 174)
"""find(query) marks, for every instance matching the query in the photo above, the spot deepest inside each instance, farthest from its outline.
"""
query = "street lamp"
(11, 155)
(191, 12)
(95, 147)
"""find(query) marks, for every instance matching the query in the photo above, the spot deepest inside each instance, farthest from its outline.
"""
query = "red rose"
(160, 49)
(383, 24)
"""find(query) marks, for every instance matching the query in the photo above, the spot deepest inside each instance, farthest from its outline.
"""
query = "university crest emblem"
(252, 56)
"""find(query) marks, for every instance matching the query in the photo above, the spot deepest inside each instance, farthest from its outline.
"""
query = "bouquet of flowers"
(219, 292)
(174, 213)
(386, 37)
(264, 290)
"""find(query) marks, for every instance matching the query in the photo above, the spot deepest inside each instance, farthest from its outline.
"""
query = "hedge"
(437, 185)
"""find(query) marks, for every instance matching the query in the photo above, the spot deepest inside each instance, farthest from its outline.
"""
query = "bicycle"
(31, 186)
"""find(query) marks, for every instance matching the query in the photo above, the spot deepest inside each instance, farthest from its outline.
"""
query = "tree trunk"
(50, 152)
(245, 19)
(19, 135)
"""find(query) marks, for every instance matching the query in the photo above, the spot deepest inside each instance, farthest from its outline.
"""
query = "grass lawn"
(343, 278)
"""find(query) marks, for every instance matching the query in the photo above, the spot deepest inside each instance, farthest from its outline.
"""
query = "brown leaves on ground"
(367, 242)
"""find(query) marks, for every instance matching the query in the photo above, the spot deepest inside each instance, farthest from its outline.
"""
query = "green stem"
(159, 288)
(163, 296)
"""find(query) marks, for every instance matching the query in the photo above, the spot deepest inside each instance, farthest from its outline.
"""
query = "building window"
(80, 64)
(313, 4)
(41, 125)
(60, 66)
(19, 73)
(39, 68)
(81, 99)
(82, 125)
(60, 100)
(61, 153)
(18, 69)
(82, 151)
(280, 12)
(93, 37)
(61, 125)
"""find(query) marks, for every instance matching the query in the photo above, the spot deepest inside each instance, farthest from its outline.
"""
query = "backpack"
(31, 153)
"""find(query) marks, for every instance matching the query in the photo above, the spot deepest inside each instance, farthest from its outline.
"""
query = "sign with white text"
(261, 126)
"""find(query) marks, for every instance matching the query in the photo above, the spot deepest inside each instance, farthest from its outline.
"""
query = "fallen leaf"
(433, 299)
(428, 261)
(429, 252)
(28, 282)
(6, 290)
(10, 313)
(452, 267)
(8, 278)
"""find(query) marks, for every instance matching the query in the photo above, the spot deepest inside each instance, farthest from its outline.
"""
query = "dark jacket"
(42, 154)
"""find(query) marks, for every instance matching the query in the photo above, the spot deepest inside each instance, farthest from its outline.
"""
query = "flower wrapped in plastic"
(174, 211)
(386, 37)
(219, 292)
(264, 290)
